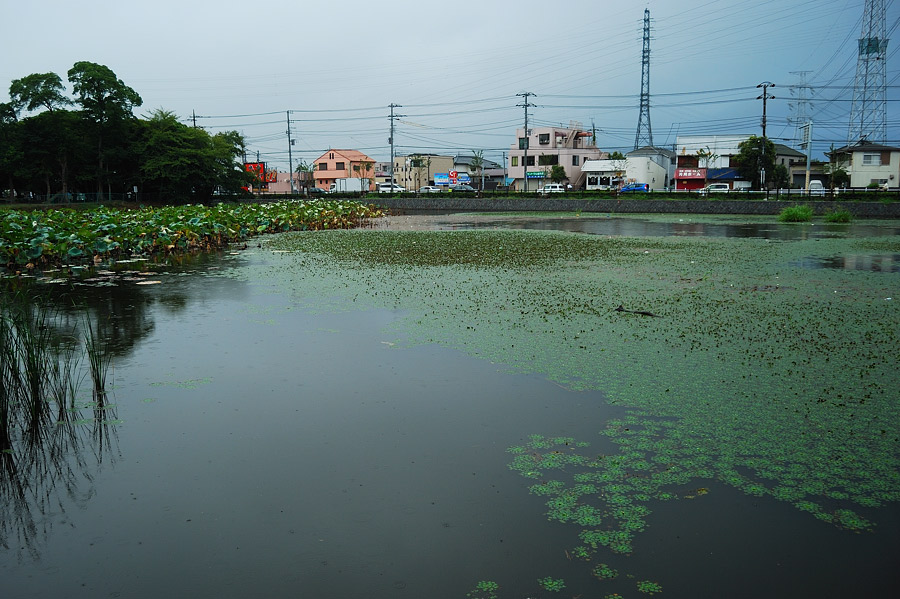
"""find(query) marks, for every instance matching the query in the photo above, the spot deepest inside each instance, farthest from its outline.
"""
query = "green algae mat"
(736, 364)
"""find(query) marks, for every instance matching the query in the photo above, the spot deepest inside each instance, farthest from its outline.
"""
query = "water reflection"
(53, 435)
(873, 263)
(60, 331)
(638, 227)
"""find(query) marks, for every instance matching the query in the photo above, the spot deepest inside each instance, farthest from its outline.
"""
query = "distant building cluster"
(571, 156)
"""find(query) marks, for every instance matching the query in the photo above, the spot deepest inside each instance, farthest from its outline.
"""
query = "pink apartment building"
(342, 164)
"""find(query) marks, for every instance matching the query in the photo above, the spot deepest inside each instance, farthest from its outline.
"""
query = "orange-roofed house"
(342, 164)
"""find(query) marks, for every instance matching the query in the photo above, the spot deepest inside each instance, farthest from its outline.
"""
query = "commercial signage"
(258, 169)
(451, 178)
(690, 173)
(535, 174)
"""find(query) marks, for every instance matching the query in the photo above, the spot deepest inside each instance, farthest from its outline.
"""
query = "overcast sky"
(456, 67)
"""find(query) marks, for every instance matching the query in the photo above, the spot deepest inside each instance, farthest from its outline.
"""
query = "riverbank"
(448, 202)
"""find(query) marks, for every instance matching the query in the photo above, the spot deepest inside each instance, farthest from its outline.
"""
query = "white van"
(716, 188)
(388, 188)
(816, 188)
(552, 188)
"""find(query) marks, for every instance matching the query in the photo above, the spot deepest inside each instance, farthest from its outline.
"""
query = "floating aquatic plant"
(648, 587)
(734, 384)
(552, 584)
(604, 572)
(484, 589)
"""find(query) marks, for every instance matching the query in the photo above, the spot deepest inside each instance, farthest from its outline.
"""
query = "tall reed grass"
(42, 428)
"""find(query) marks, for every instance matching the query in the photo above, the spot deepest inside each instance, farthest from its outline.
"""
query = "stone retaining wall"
(760, 207)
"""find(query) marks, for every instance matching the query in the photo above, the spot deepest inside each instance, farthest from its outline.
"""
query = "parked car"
(816, 188)
(635, 188)
(314, 191)
(429, 189)
(389, 188)
(552, 188)
(715, 188)
(461, 187)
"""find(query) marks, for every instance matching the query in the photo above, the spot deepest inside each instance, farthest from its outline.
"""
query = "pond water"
(283, 431)
(648, 226)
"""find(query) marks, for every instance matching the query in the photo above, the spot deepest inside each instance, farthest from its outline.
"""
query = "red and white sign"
(690, 173)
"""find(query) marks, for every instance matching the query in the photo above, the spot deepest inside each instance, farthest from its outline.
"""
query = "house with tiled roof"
(869, 163)
(342, 164)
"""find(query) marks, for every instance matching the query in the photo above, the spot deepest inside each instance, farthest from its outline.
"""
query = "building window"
(339, 166)
(871, 159)
(523, 143)
(530, 161)
(331, 155)
(514, 161)
(544, 139)
(574, 160)
(323, 166)
(548, 160)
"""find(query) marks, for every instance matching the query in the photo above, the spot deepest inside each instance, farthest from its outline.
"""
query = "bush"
(838, 216)
(796, 214)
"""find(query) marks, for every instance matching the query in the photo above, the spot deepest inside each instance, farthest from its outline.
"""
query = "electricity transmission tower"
(644, 135)
(868, 117)
(801, 105)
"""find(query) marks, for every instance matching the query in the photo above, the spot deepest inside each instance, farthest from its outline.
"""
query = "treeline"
(56, 145)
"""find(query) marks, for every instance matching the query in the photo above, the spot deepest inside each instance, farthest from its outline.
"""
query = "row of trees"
(51, 143)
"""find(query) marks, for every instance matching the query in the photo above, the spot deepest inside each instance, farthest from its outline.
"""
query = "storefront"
(689, 179)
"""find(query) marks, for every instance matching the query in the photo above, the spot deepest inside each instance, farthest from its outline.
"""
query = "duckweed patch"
(776, 380)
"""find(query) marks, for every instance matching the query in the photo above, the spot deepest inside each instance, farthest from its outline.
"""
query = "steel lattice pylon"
(868, 114)
(644, 135)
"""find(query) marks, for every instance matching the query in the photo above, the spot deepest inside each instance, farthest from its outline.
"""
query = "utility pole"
(290, 157)
(765, 85)
(525, 104)
(391, 139)
(194, 117)
(807, 145)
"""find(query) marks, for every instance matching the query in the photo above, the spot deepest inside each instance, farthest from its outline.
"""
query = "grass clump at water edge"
(796, 214)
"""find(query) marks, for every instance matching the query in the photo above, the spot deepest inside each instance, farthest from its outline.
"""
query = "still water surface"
(267, 449)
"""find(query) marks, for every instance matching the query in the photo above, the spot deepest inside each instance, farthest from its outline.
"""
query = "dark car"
(635, 188)
(461, 187)
(314, 191)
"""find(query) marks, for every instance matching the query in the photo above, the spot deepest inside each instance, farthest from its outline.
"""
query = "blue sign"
(444, 178)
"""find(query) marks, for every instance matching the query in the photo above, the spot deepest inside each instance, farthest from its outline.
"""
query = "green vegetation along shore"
(38, 238)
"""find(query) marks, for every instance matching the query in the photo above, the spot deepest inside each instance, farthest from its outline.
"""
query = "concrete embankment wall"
(629, 206)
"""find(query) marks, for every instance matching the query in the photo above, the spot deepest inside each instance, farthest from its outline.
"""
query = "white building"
(604, 174)
(653, 166)
(869, 163)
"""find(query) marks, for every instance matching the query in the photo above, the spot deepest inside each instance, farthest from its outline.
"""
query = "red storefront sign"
(690, 173)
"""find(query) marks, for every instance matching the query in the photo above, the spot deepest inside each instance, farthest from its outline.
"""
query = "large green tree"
(106, 102)
(38, 90)
(10, 146)
(51, 146)
(182, 163)
(754, 155)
